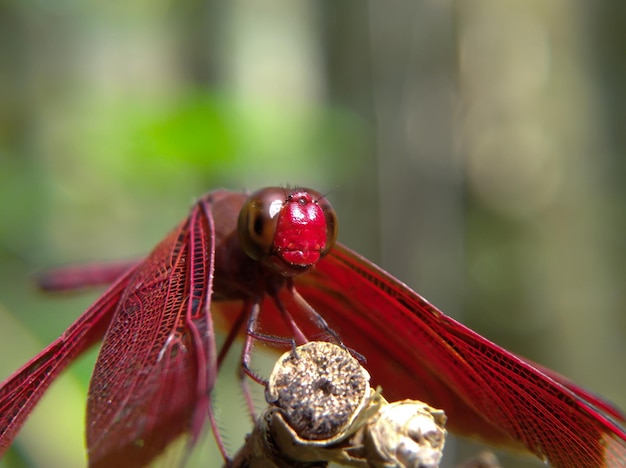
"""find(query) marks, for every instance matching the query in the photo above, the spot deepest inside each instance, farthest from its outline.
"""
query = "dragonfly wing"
(20, 392)
(415, 351)
(157, 365)
(73, 277)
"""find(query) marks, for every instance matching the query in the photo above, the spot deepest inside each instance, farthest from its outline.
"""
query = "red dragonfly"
(266, 265)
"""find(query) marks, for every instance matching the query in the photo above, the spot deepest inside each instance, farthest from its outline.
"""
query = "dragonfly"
(266, 267)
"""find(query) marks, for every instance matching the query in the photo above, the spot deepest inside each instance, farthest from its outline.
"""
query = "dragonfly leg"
(217, 436)
(252, 311)
(298, 335)
(321, 323)
(253, 334)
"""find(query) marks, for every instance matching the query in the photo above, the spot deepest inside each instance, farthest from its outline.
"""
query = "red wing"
(157, 366)
(415, 351)
(20, 392)
(592, 399)
(74, 277)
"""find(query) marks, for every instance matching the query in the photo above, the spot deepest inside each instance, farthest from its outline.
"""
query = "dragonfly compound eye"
(257, 221)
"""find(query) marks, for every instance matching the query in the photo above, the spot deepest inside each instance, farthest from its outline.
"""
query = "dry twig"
(322, 409)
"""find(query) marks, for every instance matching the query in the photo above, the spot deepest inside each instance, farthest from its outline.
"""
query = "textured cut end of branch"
(322, 409)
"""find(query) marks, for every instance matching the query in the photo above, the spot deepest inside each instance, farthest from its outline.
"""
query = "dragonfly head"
(288, 230)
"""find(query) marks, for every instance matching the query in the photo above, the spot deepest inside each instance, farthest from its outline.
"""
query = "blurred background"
(473, 148)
